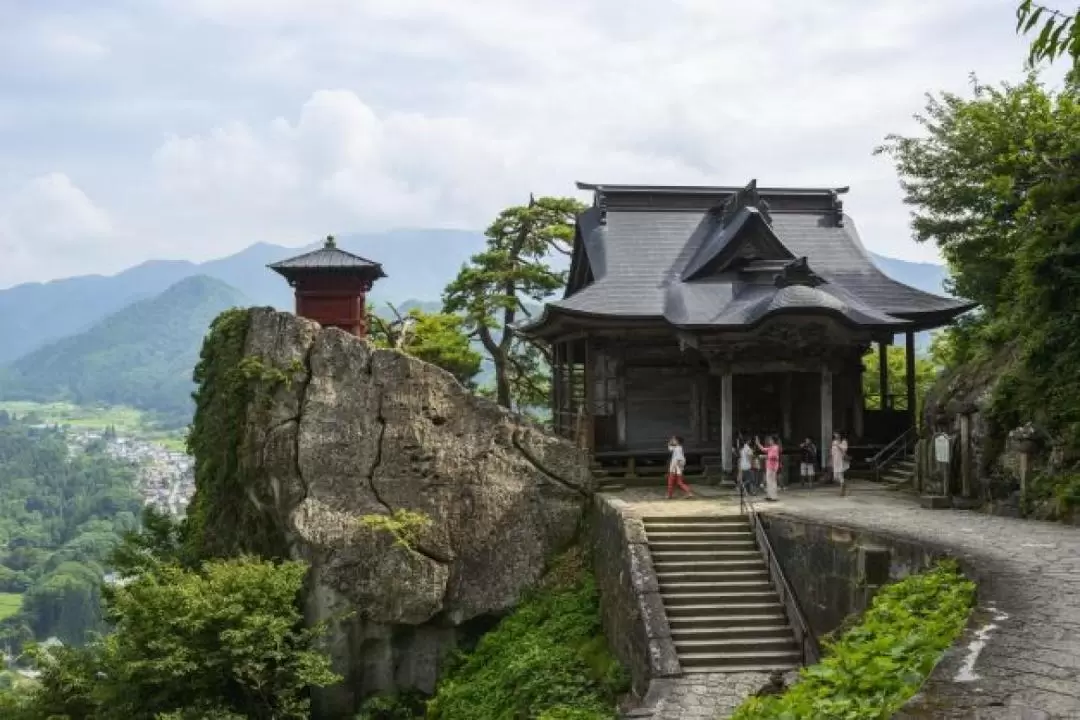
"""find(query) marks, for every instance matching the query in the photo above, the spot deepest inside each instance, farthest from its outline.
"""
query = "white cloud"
(281, 120)
(50, 219)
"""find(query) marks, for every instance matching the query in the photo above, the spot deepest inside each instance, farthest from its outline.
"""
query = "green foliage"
(406, 526)
(225, 641)
(995, 183)
(399, 706)
(1059, 33)
(896, 357)
(493, 290)
(60, 517)
(545, 660)
(877, 665)
(140, 356)
(437, 338)
(223, 521)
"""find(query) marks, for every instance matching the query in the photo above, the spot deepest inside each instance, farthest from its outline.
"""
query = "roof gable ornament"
(838, 207)
(748, 197)
(798, 272)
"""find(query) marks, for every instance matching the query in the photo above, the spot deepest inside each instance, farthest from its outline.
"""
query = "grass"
(128, 421)
(10, 603)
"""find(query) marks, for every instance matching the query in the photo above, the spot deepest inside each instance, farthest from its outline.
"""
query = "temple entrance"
(784, 405)
(758, 404)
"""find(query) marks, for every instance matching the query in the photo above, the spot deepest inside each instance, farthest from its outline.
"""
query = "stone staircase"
(724, 614)
(900, 475)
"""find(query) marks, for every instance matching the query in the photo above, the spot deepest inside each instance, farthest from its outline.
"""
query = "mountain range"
(133, 338)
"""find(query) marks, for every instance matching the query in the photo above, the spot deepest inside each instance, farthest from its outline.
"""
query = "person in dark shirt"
(808, 462)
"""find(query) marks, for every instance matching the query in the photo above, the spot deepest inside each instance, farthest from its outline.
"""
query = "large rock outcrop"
(355, 431)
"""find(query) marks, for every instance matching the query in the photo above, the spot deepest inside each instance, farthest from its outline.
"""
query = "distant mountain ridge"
(34, 314)
(141, 355)
(418, 262)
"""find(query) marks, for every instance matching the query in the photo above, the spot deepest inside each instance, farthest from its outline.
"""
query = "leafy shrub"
(546, 661)
(876, 666)
(398, 706)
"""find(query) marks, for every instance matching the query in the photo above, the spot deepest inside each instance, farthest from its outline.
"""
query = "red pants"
(674, 479)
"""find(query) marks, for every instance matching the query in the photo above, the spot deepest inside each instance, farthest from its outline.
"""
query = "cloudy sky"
(137, 129)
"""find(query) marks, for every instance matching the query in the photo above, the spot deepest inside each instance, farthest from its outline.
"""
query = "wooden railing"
(886, 455)
(809, 649)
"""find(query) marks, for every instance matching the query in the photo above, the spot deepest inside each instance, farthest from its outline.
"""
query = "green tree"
(1058, 33)
(896, 357)
(996, 184)
(223, 641)
(437, 338)
(491, 292)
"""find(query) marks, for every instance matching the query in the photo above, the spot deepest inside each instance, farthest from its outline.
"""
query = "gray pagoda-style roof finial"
(331, 243)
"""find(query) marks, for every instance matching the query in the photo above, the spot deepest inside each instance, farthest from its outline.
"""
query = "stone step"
(662, 556)
(756, 658)
(698, 536)
(733, 669)
(740, 597)
(714, 621)
(729, 646)
(677, 565)
(752, 584)
(780, 630)
(701, 545)
(696, 527)
(706, 579)
(693, 519)
(720, 610)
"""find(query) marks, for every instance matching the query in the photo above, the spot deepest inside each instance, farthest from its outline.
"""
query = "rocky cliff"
(309, 443)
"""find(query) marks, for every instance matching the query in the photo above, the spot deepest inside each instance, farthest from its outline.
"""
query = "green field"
(10, 603)
(128, 421)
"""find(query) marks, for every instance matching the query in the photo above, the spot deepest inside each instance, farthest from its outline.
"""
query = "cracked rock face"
(361, 431)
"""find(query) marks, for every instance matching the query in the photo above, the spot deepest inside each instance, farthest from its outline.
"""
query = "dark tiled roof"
(640, 256)
(328, 257)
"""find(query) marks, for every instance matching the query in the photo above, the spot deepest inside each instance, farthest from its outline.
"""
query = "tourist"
(677, 468)
(808, 462)
(746, 466)
(772, 466)
(839, 459)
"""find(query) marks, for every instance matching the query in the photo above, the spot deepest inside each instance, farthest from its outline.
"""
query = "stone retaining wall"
(835, 571)
(633, 614)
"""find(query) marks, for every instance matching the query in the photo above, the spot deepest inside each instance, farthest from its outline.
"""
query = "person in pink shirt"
(772, 466)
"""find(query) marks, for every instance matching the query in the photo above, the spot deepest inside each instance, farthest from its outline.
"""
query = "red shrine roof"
(328, 258)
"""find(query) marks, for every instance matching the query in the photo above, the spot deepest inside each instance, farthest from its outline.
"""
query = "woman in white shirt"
(839, 459)
(676, 468)
(746, 463)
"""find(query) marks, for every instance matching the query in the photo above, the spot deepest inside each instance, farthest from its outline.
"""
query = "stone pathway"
(1028, 667)
(709, 696)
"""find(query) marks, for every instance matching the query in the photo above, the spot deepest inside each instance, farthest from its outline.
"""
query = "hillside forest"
(993, 181)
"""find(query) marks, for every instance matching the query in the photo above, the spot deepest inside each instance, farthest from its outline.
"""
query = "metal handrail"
(888, 453)
(809, 648)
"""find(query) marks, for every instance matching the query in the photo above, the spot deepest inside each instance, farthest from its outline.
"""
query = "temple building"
(331, 286)
(709, 311)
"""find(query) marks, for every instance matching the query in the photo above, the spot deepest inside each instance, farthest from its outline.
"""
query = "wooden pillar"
(909, 369)
(556, 381)
(726, 431)
(826, 415)
(589, 395)
(859, 404)
(787, 409)
(620, 403)
(883, 374)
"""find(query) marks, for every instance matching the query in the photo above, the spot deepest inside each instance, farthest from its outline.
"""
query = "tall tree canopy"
(491, 291)
(1057, 33)
(995, 183)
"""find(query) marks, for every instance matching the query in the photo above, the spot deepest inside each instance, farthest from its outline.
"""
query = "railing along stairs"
(809, 648)
(900, 448)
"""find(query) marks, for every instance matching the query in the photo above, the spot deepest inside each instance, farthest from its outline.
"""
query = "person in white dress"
(677, 468)
(839, 460)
